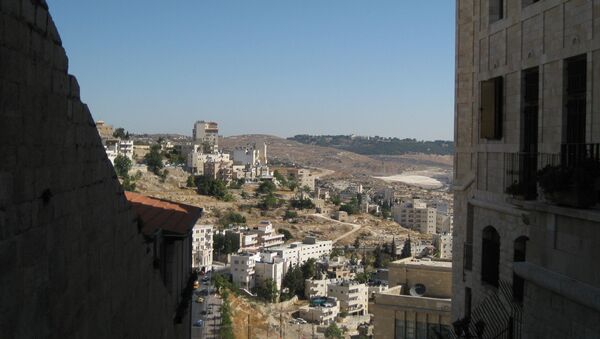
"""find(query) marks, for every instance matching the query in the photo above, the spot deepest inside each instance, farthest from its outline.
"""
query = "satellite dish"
(418, 290)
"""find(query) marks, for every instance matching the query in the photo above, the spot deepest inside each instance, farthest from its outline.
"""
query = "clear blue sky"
(279, 67)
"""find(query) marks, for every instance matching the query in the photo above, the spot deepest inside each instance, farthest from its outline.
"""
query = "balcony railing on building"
(576, 168)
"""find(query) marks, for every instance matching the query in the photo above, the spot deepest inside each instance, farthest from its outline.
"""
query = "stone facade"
(545, 254)
(74, 263)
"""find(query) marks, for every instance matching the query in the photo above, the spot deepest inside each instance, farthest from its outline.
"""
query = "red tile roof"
(167, 215)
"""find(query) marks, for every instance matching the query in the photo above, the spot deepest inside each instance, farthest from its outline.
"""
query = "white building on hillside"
(297, 253)
(416, 215)
(206, 133)
(443, 244)
(353, 296)
(202, 247)
(242, 269)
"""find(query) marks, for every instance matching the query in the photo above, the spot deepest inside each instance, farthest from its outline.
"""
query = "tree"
(154, 160)
(406, 249)
(302, 203)
(122, 165)
(336, 200)
(269, 202)
(336, 252)
(190, 181)
(266, 187)
(292, 185)
(309, 269)
(226, 328)
(306, 189)
(129, 184)
(280, 178)
(362, 278)
(119, 133)
(222, 244)
(267, 291)
(287, 235)
(334, 332)
(294, 281)
(231, 218)
(356, 243)
(351, 207)
(212, 187)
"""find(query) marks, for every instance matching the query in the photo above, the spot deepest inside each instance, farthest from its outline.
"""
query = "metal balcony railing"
(521, 172)
(572, 155)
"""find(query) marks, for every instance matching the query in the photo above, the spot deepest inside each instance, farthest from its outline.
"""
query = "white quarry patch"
(414, 180)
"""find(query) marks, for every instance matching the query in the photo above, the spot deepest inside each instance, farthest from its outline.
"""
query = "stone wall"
(542, 35)
(73, 263)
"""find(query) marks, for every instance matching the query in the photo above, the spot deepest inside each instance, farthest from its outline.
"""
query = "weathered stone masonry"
(72, 261)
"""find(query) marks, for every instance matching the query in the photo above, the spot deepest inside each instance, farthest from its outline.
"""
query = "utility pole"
(281, 325)
(249, 329)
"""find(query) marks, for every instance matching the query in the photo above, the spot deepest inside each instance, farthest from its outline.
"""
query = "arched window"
(490, 256)
(520, 251)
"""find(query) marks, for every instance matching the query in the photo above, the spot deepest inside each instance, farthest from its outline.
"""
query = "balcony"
(521, 172)
(569, 178)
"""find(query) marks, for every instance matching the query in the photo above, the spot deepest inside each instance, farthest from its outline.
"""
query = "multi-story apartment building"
(321, 311)
(271, 267)
(104, 130)
(206, 133)
(202, 247)
(242, 269)
(298, 253)
(197, 158)
(419, 304)
(315, 287)
(443, 245)
(250, 155)
(527, 94)
(416, 215)
(267, 236)
(353, 296)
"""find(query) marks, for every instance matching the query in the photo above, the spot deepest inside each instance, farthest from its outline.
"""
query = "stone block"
(17, 34)
(60, 83)
(41, 18)
(28, 11)
(10, 7)
(53, 32)
(12, 66)
(73, 87)
(59, 60)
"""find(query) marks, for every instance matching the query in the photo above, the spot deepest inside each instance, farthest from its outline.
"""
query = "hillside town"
(377, 229)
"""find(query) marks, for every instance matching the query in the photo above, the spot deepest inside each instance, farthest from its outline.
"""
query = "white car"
(301, 321)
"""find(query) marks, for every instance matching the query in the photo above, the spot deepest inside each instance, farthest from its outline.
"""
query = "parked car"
(205, 279)
(198, 323)
(199, 300)
(301, 321)
(196, 284)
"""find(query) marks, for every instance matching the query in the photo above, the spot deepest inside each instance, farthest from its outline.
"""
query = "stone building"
(206, 133)
(353, 296)
(527, 94)
(419, 304)
(74, 260)
(202, 247)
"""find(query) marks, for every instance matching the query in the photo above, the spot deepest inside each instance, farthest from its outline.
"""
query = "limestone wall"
(543, 35)
(72, 262)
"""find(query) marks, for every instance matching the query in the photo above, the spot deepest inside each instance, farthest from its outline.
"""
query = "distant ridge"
(377, 145)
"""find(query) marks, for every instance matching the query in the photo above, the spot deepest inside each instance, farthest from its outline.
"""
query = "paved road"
(212, 321)
(355, 227)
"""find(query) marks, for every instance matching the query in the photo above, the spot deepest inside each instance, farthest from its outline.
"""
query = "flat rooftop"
(411, 262)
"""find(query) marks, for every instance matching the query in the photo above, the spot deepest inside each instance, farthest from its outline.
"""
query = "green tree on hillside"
(154, 160)
(122, 165)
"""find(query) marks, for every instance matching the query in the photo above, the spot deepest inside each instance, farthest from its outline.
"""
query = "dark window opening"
(492, 106)
(468, 247)
(468, 302)
(496, 10)
(520, 251)
(575, 98)
(529, 2)
(490, 256)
